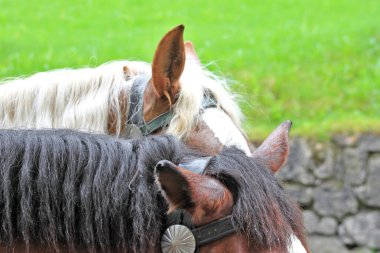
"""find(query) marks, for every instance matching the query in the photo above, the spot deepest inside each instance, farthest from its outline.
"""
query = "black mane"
(96, 192)
(65, 187)
(263, 210)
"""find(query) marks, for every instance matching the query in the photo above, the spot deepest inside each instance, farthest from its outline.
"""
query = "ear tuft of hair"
(174, 185)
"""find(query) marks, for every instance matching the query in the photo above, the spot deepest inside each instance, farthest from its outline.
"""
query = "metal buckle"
(178, 238)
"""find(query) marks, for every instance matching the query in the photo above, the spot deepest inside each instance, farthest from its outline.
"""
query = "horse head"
(71, 191)
(173, 95)
(213, 202)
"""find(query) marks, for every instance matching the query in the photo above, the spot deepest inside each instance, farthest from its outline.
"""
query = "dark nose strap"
(214, 231)
(205, 234)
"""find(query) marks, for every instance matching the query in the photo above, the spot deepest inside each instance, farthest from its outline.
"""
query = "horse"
(175, 95)
(71, 191)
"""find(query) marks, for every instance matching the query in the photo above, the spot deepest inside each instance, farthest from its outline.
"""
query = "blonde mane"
(195, 81)
(82, 98)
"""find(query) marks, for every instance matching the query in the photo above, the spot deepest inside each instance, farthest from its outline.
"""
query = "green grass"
(314, 62)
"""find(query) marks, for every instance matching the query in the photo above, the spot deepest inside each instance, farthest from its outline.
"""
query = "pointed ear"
(202, 196)
(174, 185)
(168, 63)
(190, 52)
(274, 150)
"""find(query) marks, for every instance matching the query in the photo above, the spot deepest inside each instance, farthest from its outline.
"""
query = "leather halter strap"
(214, 231)
(136, 125)
(207, 233)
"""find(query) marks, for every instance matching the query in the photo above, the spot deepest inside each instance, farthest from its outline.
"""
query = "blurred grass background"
(314, 62)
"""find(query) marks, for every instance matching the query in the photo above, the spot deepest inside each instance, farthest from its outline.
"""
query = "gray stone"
(304, 195)
(323, 244)
(332, 200)
(345, 141)
(335, 179)
(319, 152)
(296, 168)
(370, 192)
(354, 172)
(324, 162)
(339, 170)
(369, 143)
(311, 221)
(345, 237)
(316, 225)
(327, 226)
(363, 229)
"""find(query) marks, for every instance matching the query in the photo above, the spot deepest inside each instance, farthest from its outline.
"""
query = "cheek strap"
(136, 126)
(182, 236)
(214, 231)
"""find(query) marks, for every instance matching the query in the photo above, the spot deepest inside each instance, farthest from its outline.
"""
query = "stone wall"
(337, 183)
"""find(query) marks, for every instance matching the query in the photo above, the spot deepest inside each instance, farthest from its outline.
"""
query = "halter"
(136, 125)
(181, 235)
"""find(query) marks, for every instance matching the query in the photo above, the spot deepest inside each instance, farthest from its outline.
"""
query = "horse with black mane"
(68, 191)
(175, 95)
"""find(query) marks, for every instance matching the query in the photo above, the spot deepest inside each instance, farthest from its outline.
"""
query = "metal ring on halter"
(178, 239)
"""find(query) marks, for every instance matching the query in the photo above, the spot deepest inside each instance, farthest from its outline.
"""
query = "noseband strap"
(203, 235)
(136, 125)
(214, 231)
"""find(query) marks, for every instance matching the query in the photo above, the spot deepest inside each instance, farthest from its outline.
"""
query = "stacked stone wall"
(337, 183)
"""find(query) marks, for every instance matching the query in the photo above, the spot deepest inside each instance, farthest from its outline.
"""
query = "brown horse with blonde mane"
(175, 95)
(67, 191)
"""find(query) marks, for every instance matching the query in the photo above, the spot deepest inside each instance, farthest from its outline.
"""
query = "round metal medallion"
(132, 131)
(178, 239)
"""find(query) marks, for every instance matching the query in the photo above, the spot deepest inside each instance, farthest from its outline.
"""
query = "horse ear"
(202, 196)
(168, 63)
(190, 52)
(174, 185)
(274, 150)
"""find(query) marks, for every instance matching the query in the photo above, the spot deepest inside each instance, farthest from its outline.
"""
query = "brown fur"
(203, 139)
(207, 200)
(112, 123)
(275, 148)
(167, 67)
(163, 88)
